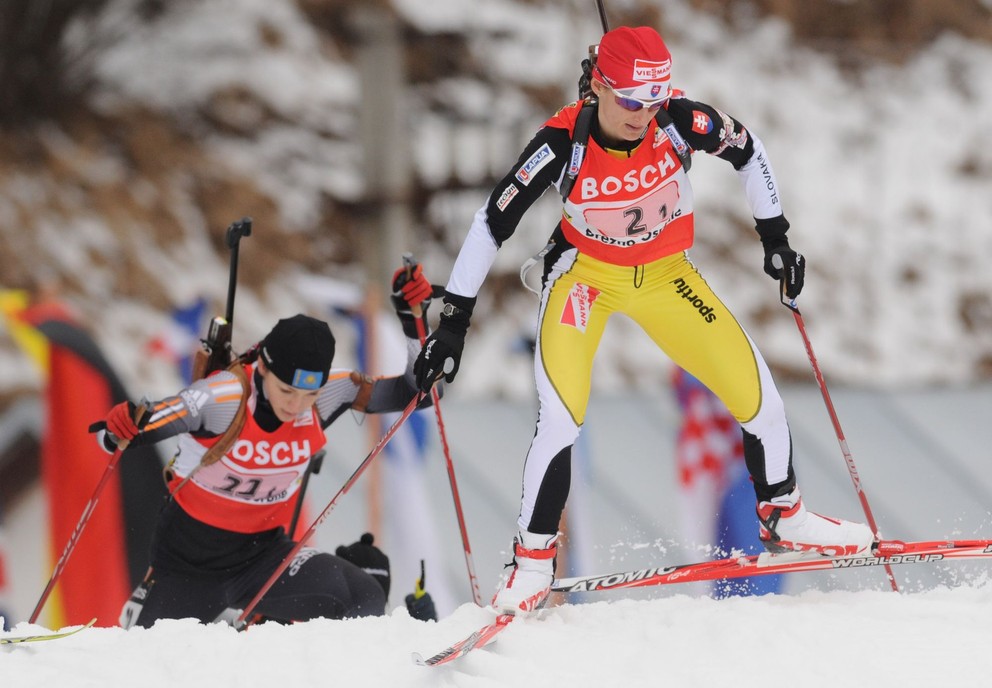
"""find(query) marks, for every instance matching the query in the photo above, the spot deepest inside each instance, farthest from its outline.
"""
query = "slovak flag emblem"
(655, 90)
(701, 122)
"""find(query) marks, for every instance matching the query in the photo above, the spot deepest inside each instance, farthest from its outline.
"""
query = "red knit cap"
(635, 62)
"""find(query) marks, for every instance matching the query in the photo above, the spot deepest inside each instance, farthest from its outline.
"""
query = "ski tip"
(54, 635)
(418, 659)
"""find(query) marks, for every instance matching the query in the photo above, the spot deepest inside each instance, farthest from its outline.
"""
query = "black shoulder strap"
(580, 139)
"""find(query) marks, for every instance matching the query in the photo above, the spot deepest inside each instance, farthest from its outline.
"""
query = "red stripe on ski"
(888, 552)
(479, 638)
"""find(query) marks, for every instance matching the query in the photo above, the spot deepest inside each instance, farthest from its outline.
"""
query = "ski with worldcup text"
(886, 553)
(477, 639)
(45, 636)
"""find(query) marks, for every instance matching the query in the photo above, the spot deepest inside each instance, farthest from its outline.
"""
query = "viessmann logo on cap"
(645, 70)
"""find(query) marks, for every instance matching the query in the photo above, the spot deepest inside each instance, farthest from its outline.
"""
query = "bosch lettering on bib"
(251, 487)
(628, 210)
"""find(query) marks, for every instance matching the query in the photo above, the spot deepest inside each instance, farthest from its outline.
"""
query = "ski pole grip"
(408, 264)
(140, 409)
(778, 264)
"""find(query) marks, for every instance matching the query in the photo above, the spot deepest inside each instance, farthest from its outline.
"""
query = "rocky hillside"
(135, 131)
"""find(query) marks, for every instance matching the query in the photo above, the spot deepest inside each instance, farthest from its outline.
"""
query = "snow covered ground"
(938, 637)
(848, 626)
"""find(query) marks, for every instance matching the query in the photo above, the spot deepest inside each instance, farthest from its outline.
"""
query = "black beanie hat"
(299, 351)
(369, 558)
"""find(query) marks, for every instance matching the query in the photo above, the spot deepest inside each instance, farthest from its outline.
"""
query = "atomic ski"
(45, 636)
(479, 638)
(887, 552)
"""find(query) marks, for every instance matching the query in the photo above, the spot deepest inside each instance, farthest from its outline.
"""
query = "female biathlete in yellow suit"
(621, 248)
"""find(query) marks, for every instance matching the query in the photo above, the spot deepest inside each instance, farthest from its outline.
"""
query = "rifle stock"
(216, 352)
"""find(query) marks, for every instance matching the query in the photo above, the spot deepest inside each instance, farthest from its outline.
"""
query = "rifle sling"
(364, 383)
(226, 440)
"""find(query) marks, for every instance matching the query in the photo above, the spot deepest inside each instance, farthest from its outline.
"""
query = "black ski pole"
(241, 621)
(316, 461)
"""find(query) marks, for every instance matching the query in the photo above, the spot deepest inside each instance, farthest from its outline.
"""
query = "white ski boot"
(529, 583)
(787, 526)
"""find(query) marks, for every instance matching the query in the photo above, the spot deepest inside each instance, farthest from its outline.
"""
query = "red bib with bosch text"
(250, 488)
(628, 210)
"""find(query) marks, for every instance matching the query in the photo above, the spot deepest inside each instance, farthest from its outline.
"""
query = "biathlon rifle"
(217, 352)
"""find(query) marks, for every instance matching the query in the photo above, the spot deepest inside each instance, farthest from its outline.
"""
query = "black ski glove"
(422, 607)
(411, 289)
(368, 558)
(791, 272)
(419, 603)
(445, 344)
